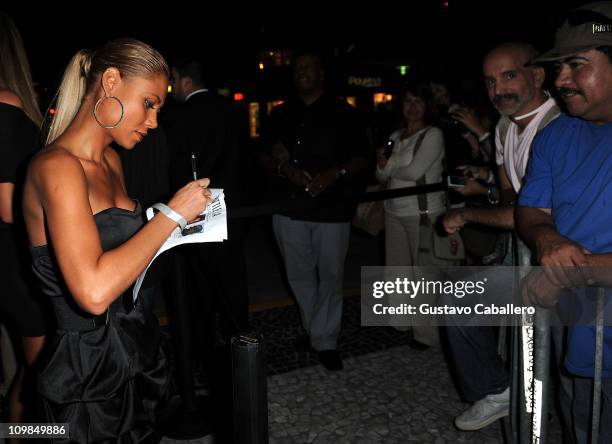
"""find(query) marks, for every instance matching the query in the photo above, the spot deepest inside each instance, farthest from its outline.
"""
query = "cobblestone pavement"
(394, 396)
(397, 395)
(280, 328)
(387, 393)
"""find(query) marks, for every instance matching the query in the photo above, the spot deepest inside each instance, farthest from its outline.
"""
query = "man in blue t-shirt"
(563, 206)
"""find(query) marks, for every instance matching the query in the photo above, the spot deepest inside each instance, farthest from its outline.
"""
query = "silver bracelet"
(171, 214)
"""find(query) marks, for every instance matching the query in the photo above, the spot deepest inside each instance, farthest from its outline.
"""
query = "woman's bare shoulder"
(55, 161)
(10, 98)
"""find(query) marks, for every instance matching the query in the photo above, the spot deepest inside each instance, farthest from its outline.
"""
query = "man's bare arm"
(561, 257)
(536, 227)
(500, 217)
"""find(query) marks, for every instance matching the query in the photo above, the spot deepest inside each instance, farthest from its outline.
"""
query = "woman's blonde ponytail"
(70, 93)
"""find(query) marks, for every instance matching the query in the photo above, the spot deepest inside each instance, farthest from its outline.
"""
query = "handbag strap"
(422, 198)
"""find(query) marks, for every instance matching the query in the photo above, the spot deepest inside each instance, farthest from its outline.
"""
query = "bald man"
(515, 87)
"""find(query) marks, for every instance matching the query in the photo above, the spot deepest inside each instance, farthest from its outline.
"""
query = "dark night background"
(452, 35)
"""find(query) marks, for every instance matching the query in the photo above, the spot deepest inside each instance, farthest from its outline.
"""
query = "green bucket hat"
(576, 35)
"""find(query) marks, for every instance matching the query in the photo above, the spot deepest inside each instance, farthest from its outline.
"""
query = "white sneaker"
(484, 412)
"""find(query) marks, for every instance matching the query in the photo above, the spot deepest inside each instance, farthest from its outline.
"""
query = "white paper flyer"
(210, 226)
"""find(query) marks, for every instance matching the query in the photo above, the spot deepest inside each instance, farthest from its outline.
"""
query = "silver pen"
(193, 166)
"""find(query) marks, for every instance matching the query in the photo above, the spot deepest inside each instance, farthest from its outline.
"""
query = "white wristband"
(171, 214)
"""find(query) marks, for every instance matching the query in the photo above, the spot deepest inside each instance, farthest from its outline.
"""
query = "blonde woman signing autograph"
(106, 369)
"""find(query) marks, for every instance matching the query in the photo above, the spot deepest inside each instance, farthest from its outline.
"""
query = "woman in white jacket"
(406, 243)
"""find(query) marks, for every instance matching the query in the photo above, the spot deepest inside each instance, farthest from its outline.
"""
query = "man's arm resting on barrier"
(500, 217)
(537, 228)
(555, 253)
(598, 272)
(537, 287)
(561, 257)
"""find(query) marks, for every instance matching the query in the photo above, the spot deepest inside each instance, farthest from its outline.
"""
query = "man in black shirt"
(317, 149)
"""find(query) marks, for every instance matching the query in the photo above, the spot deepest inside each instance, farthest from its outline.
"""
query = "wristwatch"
(492, 195)
(340, 172)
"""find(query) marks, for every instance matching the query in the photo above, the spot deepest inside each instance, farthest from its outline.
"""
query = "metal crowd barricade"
(533, 338)
(541, 376)
(596, 413)
(519, 426)
(531, 412)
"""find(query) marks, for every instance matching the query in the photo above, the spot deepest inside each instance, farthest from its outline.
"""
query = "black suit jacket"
(206, 125)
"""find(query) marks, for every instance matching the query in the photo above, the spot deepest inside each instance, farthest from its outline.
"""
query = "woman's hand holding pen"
(192, 199)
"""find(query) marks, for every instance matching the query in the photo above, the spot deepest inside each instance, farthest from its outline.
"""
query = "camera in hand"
(456, 181)
(459, 126)
(389, 148)
(447, 120)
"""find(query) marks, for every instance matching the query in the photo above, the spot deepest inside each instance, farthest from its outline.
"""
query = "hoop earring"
(100, 100)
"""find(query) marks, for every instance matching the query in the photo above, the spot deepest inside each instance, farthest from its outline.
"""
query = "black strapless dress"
(105, 374)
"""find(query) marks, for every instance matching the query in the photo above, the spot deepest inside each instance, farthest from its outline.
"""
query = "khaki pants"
(314, 254)
(402, 236)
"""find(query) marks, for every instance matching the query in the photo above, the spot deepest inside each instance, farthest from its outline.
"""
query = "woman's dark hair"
(422, 90)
